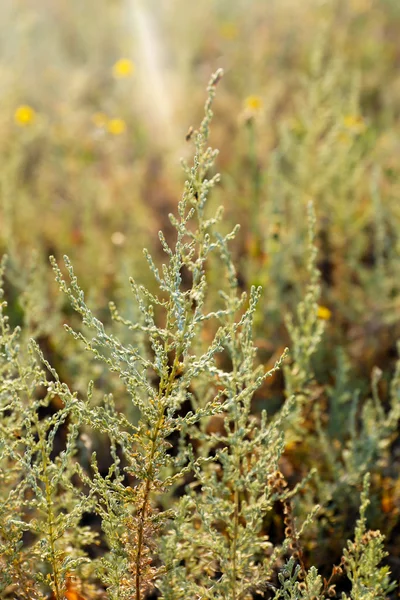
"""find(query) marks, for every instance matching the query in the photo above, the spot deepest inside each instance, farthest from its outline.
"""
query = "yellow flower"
(229, 30)
(324, 313)
(354, 123)
(116, 126)
(253, 104)
(99, 119)
(24, 115)
(123, 68)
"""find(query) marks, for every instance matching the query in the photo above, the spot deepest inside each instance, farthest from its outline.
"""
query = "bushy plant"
(193, 496)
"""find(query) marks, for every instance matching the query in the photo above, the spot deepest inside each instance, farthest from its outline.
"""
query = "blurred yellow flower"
(253, 103)
(99, 119)
(354, 123)
(24, 115)
(116, 126)
(229, 30)
(123, 68)
(324, 313)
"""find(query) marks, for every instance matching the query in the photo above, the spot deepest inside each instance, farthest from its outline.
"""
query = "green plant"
(362, 558)
(194, 485)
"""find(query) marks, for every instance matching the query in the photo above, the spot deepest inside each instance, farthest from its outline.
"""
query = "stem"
(236, 458)
(143, 513)
(164, 390)
(255, 181)
(50, 519)
(235, 537)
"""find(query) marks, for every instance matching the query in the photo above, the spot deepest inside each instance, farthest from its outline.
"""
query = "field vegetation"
(216, 417)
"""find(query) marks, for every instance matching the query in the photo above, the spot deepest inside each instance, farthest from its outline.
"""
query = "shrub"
(194, 495)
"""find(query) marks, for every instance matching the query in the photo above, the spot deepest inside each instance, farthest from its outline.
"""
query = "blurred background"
(96, 101)
(97, 98)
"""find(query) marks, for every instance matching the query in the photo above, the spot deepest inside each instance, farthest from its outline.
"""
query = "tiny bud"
(216, 78)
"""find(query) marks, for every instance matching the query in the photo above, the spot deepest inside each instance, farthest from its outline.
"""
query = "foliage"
(213, 541)
(172, 445)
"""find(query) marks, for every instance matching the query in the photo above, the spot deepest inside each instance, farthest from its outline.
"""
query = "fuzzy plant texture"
(192, 502)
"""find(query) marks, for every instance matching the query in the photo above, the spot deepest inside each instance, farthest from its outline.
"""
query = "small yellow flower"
(354, 123)
(123, 68)
(253, 104)
(24, 115)
(116, 126)
(229, 30)
(99, 119)
(324, 313)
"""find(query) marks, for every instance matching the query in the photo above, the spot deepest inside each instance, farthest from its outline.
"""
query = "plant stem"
(50, 519)
(164, 391)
